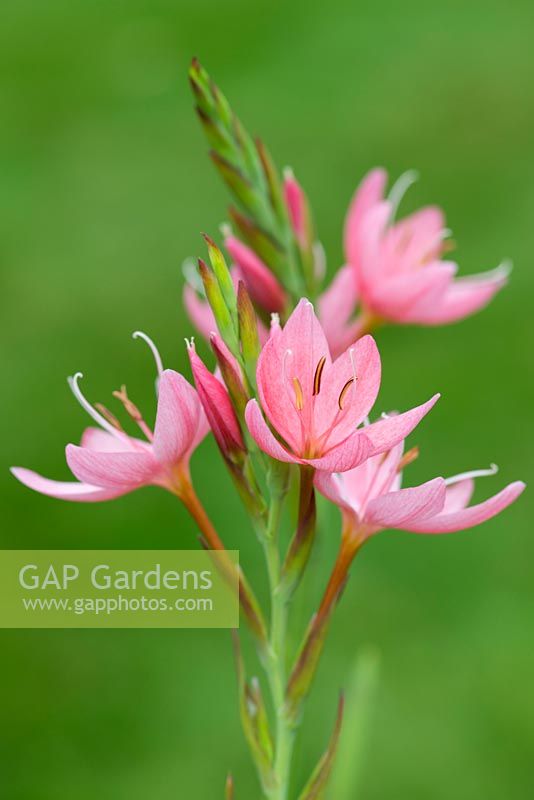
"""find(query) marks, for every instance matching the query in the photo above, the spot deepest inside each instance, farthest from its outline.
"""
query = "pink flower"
(315, 405)
(110, 463)
(371, 498)
(400, 273)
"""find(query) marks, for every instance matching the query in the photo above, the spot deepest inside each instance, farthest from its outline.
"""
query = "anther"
(318, 375)
(130, 408)
(408, 458)
(343, 393)
(299, 397)
(111, 418)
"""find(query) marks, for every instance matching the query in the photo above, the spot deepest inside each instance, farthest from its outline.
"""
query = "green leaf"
(254, 722)
(248, 332)
(217, 303)
(222, 273)
(316, 787)
(363, 681)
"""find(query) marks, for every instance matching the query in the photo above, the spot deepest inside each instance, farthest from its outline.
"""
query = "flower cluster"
(292, 393)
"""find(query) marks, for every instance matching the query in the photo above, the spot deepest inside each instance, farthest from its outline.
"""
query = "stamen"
(86, 405)
(275, 322)
(111, 418)
(299, 397)
(476, 473)
(318, 375)
(130, 408)
(133, 412)
(344, 391)
(408, 458)
(399, 189)
(154, 349)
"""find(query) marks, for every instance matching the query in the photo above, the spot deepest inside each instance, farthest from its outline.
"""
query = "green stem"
(276, 662)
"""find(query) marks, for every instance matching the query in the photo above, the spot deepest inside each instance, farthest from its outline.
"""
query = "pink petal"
(123, 471)
(199, 312)
(262, 285)
(262, 435)
(333, 487)
(65, 490)
(292, 353)
(370, 263)
(347, 455)
(363, 360)
(217, 406)
(418, 238)
(464, 296)
(400, 298)
(177, 420)
(376, 476)
(397, 509)
(388, 432)
(336, 306)
(104, 442)
(296, 205)
(469, 517)
(369, 193)
(458, 495)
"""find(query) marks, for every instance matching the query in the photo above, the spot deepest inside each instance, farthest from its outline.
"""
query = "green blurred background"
(105, 187)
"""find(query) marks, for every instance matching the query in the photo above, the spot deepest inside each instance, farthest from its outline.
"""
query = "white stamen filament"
(153, 348)
(399, 189)
(476, 473)
(86, 405)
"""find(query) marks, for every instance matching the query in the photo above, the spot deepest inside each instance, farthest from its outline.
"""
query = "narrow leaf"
(316, 787)
(250, 713)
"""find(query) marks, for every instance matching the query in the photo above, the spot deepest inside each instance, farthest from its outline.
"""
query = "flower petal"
(177, 418)
(332, 486)
(464, 296)
(458, 495)
(287, 364)
(111, 470)
(388, 432)
(104, 442)
(369, 193)
(65, 490)
(217, 406)
(262, 435)
(469, 517)
(401, 297)
(262, 285)
(396, 509)
(199, 312)
(335, 308)
(360, 360)
(347, 455)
